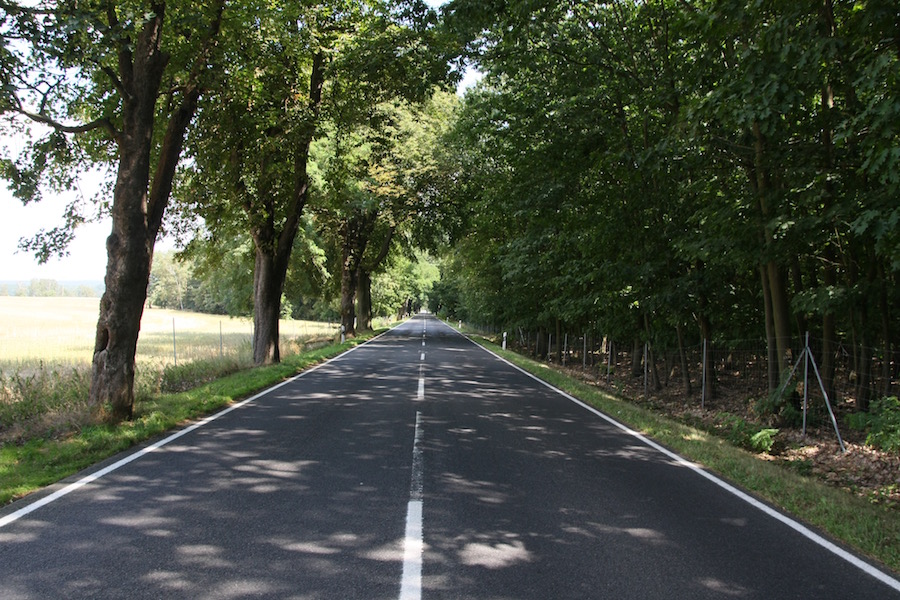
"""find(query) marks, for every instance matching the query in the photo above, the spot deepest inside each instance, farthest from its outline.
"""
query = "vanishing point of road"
(417, 465)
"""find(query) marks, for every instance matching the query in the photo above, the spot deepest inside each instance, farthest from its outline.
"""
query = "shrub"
(882, 423)
(763, 440)
(785, 410)
(746, 435)
(43, 401)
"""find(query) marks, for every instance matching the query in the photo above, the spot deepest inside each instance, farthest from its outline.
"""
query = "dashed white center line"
(420, 395)
(413, 544)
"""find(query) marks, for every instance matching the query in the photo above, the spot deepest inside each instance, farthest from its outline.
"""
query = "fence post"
(805, 383)
(174, 347)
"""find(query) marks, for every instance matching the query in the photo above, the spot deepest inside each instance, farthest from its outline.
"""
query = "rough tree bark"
(273, 247)
(364, 283)
(771, 347)
(137, 212)
(349, 271)
(364, 314)
(355, 233)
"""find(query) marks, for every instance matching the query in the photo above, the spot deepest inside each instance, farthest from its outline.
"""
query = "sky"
(87, 252)
(86, 260)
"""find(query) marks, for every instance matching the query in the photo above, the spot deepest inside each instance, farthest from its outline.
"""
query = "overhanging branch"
(103, 123)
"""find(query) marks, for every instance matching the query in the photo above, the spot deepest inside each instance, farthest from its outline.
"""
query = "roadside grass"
(38, 462)
(873, 529)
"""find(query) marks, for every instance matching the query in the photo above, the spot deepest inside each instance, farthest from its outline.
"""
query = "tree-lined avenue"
(305, 491)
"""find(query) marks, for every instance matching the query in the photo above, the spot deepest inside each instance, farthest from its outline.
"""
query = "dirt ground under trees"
(861, 469)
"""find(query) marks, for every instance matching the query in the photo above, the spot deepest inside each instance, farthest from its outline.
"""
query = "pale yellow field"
(61, 331)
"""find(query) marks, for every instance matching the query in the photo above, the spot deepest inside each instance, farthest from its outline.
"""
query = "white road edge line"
(64, 491)
(795, 525)
(413, 543)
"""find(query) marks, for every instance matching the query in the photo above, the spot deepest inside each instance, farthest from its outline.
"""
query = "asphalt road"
(416, 466)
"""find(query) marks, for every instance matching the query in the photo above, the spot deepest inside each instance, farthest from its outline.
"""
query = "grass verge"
(39, 462)
(874, 530)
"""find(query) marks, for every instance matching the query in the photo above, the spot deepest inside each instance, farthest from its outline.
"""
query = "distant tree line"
(182, 282)
(50, 288)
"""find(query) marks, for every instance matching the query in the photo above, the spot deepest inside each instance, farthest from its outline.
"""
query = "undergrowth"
(36, 456)
(881, 424)
(51, 401)
(870, 527)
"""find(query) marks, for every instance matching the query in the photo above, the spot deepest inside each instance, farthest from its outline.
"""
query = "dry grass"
(46, 346)
(60, 331)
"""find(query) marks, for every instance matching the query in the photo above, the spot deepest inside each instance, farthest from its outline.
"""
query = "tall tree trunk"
(682, 356)
(651, 357)
(776, 280)
(138, 207)
(829, 272)
(349, 271)
(274, 246)
(268, 284)
(364, 299)
(710, 365)
(865, 368)
(708, 369)
(781, 317)
(829, 329)
(129, 251)
(797, 280)
(887, 346)
(771, 347)
(637, 358)
(559, 342)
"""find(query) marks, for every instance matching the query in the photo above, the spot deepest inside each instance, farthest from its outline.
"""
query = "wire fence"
(166, 338)
(707, 373)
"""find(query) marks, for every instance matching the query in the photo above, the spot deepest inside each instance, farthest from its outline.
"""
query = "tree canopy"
(728, 167)
(660, 171)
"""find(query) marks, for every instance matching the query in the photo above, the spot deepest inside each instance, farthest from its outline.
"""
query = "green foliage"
(763, 440)
(882, 423)
(404, 280)
(782, 409)
(636, 166)
(204, 280)
(744, 434)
